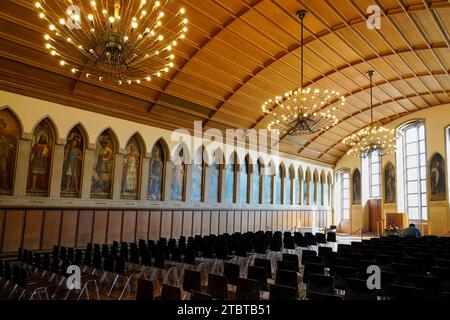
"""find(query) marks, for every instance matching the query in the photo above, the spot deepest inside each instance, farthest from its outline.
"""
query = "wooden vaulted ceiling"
(239, 53)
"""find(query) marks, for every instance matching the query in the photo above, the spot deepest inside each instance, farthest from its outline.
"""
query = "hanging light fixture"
(302, 111)
(124, 41)
(374, 137)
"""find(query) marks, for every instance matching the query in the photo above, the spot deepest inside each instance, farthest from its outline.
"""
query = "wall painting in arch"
(390, 192)
(103, 170)
(177, 168)
(437, 178)
(72, 164)
(131, 170)
(41, 153)
(156, 173)
(9, 143)
(356, 187)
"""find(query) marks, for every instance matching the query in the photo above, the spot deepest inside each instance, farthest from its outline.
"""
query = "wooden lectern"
(400, 220)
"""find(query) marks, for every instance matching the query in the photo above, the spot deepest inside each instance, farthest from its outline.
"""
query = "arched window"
(103, 170)
(42, 145)
(343, 194)
(267, 188)
(374, 159)
(412, 171)
(244, 181)
(230, 174)
(256, 183)
(131, 172)
(156, 173)
(300, 181)
(177, 169)
(312, 190)
(319, 192)
(307, 200)
(9, 144)
(197, 176)
(279, 185)
(214, 179)
(288, 186)
(73, 164)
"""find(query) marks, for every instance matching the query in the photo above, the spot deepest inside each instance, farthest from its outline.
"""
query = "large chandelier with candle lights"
(374, 137)
(122, 41)
(304, 111)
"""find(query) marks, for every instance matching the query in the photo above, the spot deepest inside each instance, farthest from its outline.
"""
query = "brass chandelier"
(302, 111)
(123, 41)
(374, 137)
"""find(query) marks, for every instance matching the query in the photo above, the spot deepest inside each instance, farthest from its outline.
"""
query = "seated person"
(412, 231)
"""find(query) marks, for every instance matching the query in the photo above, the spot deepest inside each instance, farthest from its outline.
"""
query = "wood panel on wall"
(51, 229)
(33, 229)
(68, 234)
(155, 225)
(13, 230)
(36, 229)
(100, 226)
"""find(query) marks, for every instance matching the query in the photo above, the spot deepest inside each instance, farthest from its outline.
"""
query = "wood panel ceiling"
(239, 53)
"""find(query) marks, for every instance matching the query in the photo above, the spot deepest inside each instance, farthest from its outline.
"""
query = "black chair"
(280, 292)
(357, 290)
(264, 263)
(286, 278)
(312, 259)
(300, 240)
(144, 290)
(310, 239)
(169, 292)
(321, 238)
(312, 268)
(191, 280)
(232, 272)
(324, 250)
(200, 296)
(320, 296)
(407, 293)
(431, 284)
(288, 265)
(259, 274)
(320, 284)
(247, 289)
(404, 271)
(217, 286)
(331, 237)
(307, 253)
(444, 276)
(341, 274)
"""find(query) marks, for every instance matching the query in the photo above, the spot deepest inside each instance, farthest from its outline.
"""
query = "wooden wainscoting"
(40, 229)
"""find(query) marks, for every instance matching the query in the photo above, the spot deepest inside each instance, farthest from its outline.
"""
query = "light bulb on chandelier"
(127, 42)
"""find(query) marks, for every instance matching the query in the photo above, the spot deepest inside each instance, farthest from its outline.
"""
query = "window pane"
(412, 187)
(411, 162)
(411, 134)
(411, 149)
(411, 175)
(423, 172)
(413, 213)
(375, 179)
(422, 146)
(422, 132)
(423, 185)
(413, 200)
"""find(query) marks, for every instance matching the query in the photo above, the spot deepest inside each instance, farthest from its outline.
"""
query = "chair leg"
(127, 285)
(113, 284)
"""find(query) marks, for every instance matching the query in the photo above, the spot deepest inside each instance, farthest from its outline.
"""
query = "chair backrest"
(200, 296)
(247, 289)
(320, 283)
(217, 286)
(312, 259)
(286, 278)
(307, 253)
(191, 280)
(357, 290)
(264, 263)
(408, 293)
(259, 274)
(279, 292)
(288, 265)
(144, 290)
(169, 292)
(232, 272)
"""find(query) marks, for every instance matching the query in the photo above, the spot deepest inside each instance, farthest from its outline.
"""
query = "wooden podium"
(400, 220)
